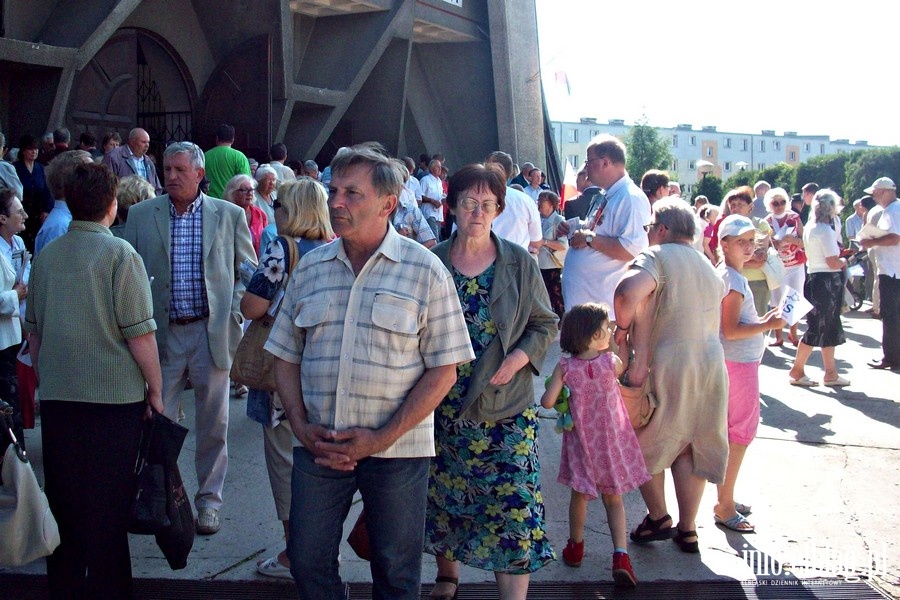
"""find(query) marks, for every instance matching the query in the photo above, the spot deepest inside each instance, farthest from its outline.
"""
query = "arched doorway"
(135, 80)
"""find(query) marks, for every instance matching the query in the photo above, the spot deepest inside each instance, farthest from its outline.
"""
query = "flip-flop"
(743, 509)
(839, 382)
(776, 343)
(734, 523)
(804, 382)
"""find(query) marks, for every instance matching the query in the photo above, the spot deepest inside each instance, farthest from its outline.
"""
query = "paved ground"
(822, 477)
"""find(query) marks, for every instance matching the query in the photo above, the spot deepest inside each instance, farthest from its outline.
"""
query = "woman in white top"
(824, 289)
(12, 221)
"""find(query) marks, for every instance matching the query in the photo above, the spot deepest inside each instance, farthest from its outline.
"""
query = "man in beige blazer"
(192, 246)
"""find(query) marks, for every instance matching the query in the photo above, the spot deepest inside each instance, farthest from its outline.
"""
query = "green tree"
(646, 149)
(711, 187)
(867, 166)
(829, 171)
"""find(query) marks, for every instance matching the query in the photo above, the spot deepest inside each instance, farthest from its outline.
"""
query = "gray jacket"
(520, 308)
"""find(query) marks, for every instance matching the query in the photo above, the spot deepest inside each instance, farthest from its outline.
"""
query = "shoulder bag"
(28, 530)
(253, 366)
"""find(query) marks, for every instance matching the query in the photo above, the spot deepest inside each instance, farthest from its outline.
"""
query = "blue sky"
(817, 68)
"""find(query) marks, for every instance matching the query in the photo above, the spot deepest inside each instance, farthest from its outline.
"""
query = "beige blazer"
(226, 242)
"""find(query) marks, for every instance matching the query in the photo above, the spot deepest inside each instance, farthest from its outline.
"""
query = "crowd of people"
(412, 308)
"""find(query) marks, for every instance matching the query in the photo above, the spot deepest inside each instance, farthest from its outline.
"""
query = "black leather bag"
(161, 507)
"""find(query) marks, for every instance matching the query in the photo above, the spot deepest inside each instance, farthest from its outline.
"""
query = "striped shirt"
(189, 297)
(88, 295)
(366, 340)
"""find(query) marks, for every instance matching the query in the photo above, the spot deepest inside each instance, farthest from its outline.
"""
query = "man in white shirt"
(278, 153)
(432, 197)
(855, 221)
(887, 250)
(613, 233)
(520, 221)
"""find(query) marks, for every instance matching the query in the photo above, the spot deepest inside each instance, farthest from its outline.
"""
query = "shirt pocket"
(312, 317)
(394, 335)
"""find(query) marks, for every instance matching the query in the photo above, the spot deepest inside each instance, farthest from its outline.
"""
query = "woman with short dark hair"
(485, 507)
(93, 347)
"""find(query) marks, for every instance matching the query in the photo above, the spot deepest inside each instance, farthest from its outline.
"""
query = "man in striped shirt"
(366, 347)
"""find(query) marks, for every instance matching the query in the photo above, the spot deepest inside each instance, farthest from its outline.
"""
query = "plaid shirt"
(366, 340)
(188, 284)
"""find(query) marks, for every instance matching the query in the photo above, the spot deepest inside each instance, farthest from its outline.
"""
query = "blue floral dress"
(485, 507)
(265, 283)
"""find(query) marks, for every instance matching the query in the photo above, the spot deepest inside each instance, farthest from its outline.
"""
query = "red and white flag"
(569, 188)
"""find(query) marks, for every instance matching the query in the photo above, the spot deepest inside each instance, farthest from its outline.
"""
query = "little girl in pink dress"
(601, 452)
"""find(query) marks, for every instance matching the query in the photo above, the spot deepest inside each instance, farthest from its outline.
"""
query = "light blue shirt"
(55, 225)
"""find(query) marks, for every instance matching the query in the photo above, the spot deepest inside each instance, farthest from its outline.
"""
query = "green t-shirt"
(223, 163)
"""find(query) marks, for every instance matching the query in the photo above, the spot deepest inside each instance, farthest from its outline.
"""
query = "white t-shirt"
(888, 257)
(591, 276)
(520, 221)
(820, 241)
(282, 172)
(432, 187)
(748, 349)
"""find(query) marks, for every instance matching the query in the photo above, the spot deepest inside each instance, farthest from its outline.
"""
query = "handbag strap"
(291, 260)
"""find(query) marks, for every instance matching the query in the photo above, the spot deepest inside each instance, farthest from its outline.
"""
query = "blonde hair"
(132, 189)
(305, 206)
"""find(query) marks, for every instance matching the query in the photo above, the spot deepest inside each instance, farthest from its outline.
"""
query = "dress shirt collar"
(389, 247)
(191, 209)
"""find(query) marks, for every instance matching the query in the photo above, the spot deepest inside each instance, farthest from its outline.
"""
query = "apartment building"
(705, 150)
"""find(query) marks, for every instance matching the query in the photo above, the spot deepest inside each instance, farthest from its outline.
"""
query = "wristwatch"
(589, 238)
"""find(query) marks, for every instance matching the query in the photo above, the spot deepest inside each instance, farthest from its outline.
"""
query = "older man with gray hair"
(192, 245)
(362, 359)
(131, 159)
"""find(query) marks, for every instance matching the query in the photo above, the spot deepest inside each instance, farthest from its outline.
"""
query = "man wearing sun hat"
(887, 252)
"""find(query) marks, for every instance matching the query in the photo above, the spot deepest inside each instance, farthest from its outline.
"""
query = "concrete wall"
(416, 75)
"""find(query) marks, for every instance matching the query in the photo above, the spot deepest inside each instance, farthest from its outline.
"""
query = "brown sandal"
(445, 579)
(652, 531)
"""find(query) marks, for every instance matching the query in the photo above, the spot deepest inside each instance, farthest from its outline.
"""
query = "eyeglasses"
(588, 161)
(778, 202)
(245, 190)
(276, 204)
(488, 207)
(650, 226)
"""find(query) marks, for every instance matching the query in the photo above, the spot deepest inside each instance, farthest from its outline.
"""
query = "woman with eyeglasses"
(787, 237)
(484, 501)
(240, 190)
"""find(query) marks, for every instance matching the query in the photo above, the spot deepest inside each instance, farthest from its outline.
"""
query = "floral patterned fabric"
(265, 283)
(485, 507)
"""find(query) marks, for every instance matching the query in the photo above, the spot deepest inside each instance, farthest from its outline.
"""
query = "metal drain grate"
(34, 587)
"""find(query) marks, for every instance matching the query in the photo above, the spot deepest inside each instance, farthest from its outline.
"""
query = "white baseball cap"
(882, 183)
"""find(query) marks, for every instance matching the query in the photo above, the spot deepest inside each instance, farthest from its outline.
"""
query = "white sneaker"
(208, 521)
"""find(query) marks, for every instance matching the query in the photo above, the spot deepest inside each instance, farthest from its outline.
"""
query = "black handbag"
(161, 507)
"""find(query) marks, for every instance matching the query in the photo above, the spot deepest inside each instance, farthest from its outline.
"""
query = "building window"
(760, 166)
(727, 142)
(777, 145)
(709, 151)
(793, 155)
(573, 136)
(692, 165)
(674, 141)
(573, 160)
(744, 145)
(806, 147)
(675, 165)
(821, 148)
(727, 166)
(594, 133)
(693, 140)
(762, 145)
(689, 189)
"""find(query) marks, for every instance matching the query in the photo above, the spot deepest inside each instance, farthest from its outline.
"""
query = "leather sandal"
(684, 545)
(445, 579)
(652, 531)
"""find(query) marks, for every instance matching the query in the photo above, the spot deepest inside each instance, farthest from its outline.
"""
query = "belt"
(185, 320)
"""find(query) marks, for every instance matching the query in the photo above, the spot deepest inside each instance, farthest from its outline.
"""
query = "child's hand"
(553, 386)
